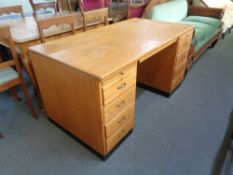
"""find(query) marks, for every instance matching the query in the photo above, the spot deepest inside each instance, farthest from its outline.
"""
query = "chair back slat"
(7, 64)
(12, 9)
(43, 5)
(57, 20)
(93, 12)
(62, 3)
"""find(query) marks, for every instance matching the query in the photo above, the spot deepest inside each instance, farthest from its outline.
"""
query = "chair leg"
(14, 94)
(29, 100)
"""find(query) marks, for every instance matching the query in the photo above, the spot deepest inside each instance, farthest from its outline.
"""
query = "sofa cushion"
(203, 32)
(206, 20)
(173, 11)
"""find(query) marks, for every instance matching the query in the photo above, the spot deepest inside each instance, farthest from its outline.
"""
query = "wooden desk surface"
(103, 51)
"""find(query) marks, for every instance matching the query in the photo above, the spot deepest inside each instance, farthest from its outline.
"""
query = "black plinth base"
(103, 157)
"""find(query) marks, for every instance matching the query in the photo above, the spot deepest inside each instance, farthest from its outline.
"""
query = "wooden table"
(25, 34)
(88, 81)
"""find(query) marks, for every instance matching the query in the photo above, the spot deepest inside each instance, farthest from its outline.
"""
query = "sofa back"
(150, 5)
(172, 11)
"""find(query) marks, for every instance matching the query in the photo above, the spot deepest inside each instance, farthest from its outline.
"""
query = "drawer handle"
(121, 120)
(121, 103)
(122, 86)
(122, 73)
(121, 134)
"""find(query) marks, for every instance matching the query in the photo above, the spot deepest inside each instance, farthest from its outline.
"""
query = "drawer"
(119, 76)
(185, 41)
(183, 57)
(177, 80)
(118, 104)
(120, 120)
(180, 69)
(115, 89)
(112, 141)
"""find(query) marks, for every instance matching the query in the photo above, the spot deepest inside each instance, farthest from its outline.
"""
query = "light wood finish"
(120, 120)
(14, 62)
(166, 64)
(115, 88)
(99, 16)
(12, 9)
(112, 141)
(25, 34)
(117, 105)
(88, 80)
(62, 3)
(57, 21)
(43, 5)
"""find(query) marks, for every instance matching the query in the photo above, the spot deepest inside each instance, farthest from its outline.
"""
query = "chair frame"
(6, 36)
(12, 9)
(59, 5)
(43, 5)
(132, 5)
(87, 15)
(57, 20)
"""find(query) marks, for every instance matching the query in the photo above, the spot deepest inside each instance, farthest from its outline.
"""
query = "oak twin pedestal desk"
(88, 81)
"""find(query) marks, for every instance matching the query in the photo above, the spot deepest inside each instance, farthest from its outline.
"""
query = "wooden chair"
(57, 20)
(10, 77)
(12, 9)
(136, 9)
(43, 5)
(62, 3)
(93, 13)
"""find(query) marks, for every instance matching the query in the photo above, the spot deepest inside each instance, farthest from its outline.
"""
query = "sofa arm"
(205, 11)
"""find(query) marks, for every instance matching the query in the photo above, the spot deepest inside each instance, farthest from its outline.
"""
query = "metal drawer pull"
(121, 103)
(122, 86)
(121, 134)
(121, 120)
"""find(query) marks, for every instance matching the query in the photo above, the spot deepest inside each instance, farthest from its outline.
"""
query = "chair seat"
(7, 74)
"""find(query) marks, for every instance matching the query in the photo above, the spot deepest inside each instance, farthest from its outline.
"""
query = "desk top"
(105, 50)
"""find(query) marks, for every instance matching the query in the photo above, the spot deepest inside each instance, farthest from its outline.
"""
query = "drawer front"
(183, 57)
(118, 104)
(119, 120)
(117, 88)
(185, 41)
(112, 141)
(177, 80)
(119, 76)
(180, 69)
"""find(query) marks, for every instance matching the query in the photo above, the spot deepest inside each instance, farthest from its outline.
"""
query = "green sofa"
(207, 29)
